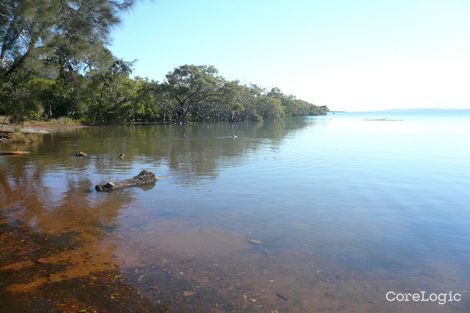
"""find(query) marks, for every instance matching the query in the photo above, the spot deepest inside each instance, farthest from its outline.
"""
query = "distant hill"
(424, 111)
(427, 110)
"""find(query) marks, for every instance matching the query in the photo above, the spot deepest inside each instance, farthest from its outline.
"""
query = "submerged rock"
(282, 296)
(188, 293)
(42, 261)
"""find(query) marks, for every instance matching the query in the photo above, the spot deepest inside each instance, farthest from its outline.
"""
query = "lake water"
(316, 214)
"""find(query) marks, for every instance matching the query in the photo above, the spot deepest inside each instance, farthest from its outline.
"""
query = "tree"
(71, 34)
(55, 40)
(24, 98)
(190, 86)
(270, 108)
(111, 94)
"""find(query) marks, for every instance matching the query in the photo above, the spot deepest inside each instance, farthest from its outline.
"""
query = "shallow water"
(318, 214)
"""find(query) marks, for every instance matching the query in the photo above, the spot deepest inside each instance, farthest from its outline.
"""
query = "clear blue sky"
(349, 55)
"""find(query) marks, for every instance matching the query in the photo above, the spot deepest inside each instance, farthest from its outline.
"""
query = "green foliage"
(23, 99)
(198, 93)
(55, 40)
(111, 95)
(20, 138)
(191, 87)
(54, 62)
(57, 36)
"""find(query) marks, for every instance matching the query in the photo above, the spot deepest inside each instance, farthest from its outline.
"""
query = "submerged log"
(144, 177)
(14, 152)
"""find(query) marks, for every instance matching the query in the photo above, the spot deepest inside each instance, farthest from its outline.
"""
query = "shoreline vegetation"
(29, 132)
(55, 63)
(190, 93)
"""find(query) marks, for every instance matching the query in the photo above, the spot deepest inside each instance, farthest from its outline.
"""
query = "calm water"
(320, 214)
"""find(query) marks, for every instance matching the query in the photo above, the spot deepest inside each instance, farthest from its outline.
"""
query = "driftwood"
(14, 152)
(144, 177)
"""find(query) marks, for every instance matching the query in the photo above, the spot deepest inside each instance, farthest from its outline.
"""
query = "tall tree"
(71, 34)
(58, 40)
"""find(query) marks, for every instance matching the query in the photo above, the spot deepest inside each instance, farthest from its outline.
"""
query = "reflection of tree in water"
(52, 251)
(196, 149)
(58, 253)
(58, 237)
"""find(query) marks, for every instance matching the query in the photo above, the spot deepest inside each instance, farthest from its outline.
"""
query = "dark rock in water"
(144, 177)
(81, 154)
(281, 296)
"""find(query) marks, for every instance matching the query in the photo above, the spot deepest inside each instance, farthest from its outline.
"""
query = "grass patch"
(20, 138)
(65, 121)
(54, 121)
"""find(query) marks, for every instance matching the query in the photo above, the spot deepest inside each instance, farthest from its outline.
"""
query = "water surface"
(317, 214)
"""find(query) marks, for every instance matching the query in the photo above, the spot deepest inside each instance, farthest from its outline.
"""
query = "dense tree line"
(54, 62)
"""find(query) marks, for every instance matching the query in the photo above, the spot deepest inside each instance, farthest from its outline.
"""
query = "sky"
(349, 55)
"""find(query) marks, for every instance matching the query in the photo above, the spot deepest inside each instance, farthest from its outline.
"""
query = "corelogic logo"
(423, 296)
